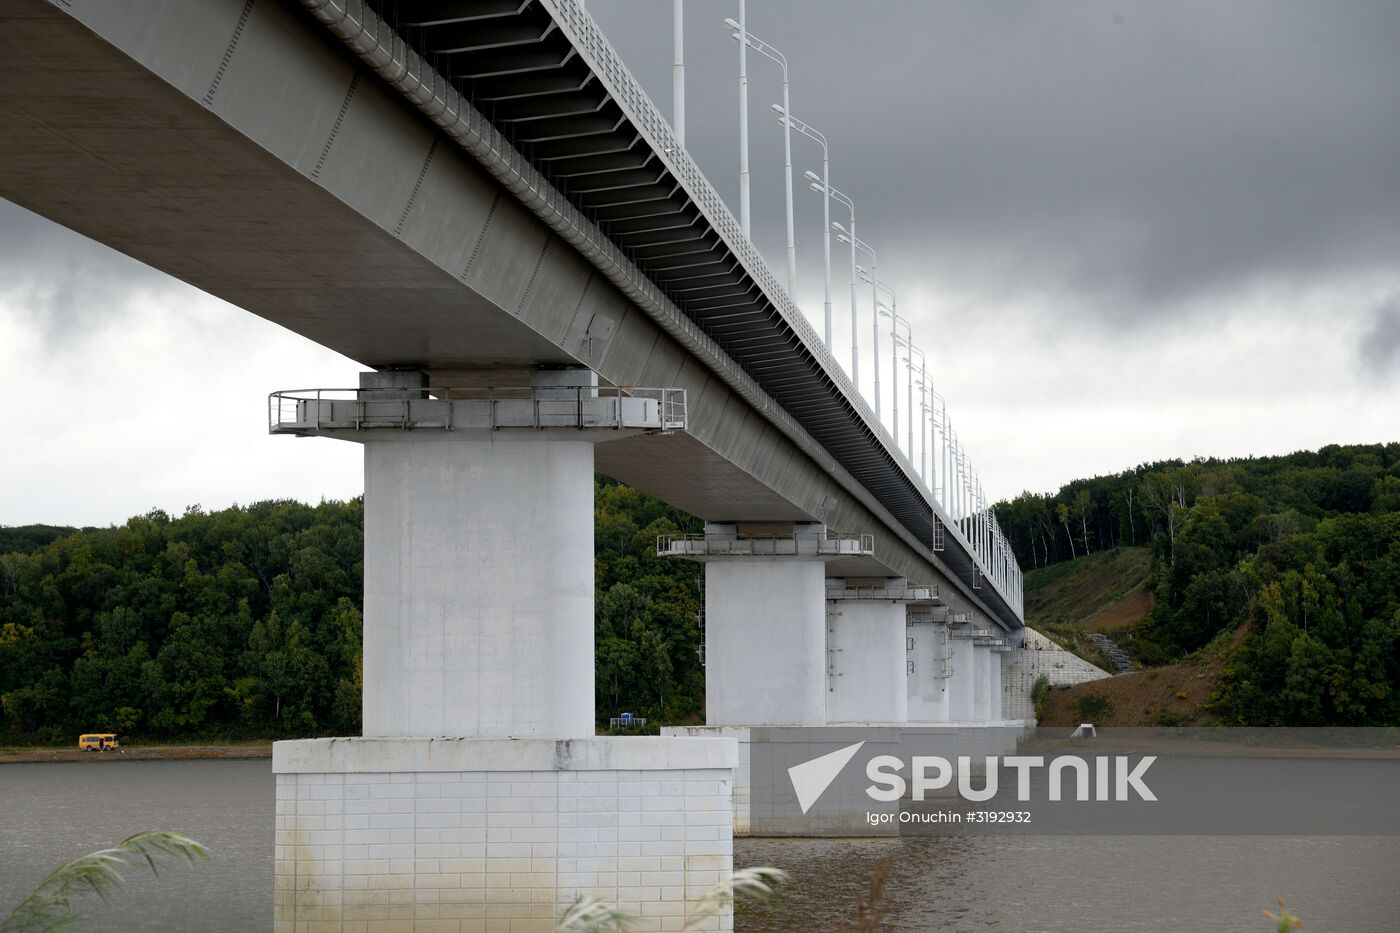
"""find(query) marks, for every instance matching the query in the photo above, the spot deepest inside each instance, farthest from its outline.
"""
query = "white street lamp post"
(864, 247)
(895, 321)
(821, 184)
(743, 37)
(950, 477)
(743, 126)
(678, 71)
(938, 420)
(792, 122)
(909, 394)
(831, 192)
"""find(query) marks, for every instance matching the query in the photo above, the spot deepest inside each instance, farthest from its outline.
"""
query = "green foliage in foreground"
(591, 915)
(51, 906)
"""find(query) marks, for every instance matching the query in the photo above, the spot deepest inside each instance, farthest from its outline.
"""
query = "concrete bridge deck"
(241, 147)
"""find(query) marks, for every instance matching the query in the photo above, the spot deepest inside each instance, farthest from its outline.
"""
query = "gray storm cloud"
(1124, 231)
(1129, 158)
(62, 280)
(1380, 347)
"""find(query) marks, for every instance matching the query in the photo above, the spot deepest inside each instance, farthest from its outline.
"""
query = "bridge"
(476, 200)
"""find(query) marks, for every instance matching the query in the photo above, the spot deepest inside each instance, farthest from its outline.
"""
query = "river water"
(50, 813)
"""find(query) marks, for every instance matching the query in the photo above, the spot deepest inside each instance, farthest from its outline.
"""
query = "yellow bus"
(97, 741)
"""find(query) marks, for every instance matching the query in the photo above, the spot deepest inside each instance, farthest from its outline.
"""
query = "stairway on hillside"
(1117, 655)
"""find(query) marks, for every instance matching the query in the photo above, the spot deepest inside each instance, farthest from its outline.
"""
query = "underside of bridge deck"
(168, 130)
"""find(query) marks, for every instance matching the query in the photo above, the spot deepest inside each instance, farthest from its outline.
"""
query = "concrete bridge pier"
(981, 681)
(479, 792)
(764, 627)
(765, 630)
(930, 666)
(962, 683)
(994, 704)
(867, 649)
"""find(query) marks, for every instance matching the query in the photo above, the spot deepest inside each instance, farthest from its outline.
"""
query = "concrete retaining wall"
(1023, 666)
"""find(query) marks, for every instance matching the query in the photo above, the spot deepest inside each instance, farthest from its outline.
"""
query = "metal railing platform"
(797, 544)
(929, 614)
(311, 411)
(980, 636)
(911, 593)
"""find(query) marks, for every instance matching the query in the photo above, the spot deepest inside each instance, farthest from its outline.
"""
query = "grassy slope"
(1100, 592)
(1107, 592)
(1171, 695)
(1103, 592)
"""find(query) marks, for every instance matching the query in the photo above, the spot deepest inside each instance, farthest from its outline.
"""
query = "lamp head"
(818, 187)
(811, 176)
(843, 238)
(778, 109)
(836, 225)
(731, 24)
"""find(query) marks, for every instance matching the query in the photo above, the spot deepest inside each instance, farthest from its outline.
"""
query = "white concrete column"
(981, 696)
(478, 584)
(994, 705)
(867, 661)
(765, 642)
(929, 681)
(960, 686)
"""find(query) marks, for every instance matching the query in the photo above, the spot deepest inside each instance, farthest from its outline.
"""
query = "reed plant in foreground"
(52, 906)
(591, 915)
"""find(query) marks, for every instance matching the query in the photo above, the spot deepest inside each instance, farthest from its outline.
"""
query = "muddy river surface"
(50, 813)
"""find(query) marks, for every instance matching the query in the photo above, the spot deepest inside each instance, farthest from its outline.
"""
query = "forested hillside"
(1287, 567)
(245, 623)
(239, 623)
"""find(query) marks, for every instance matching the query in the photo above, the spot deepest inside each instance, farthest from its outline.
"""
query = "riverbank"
(31, 755)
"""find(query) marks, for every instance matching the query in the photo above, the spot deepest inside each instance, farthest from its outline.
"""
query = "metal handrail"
(916, 592)
(286, 407)
(754, 544)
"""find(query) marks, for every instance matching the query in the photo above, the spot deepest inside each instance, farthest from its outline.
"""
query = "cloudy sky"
(1122, 231)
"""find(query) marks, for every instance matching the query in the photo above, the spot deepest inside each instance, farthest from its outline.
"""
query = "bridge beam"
(478, 606)
(765, 623)
(867, 649)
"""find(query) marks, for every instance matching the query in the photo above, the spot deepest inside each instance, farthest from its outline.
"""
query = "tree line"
(245, 622)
